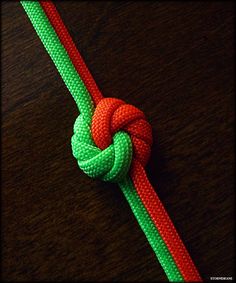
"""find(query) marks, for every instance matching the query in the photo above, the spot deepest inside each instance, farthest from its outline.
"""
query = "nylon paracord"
(112, 141)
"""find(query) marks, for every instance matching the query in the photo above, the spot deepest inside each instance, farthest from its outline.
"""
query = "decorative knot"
(119, 133)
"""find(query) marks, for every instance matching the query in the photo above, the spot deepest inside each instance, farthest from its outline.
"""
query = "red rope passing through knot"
(112, 115)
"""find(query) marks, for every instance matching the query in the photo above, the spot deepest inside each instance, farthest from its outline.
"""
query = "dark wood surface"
(173, 60)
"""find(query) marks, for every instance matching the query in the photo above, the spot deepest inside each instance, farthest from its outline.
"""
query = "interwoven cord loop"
(120, 132)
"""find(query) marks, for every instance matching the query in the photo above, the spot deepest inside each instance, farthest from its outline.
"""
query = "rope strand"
(60, 58)
(66, 40)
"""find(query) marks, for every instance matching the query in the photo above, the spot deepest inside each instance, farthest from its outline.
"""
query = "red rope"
(71, 49)
(163, 223)
(146, 192)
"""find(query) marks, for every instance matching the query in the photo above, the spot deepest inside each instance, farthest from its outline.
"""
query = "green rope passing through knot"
(112, 162)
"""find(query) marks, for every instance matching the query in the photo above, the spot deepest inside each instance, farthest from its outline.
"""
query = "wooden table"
(174, 61)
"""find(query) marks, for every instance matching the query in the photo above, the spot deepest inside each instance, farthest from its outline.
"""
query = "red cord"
(163, 223)
(71, 49)
(112, 115)
(137, 129)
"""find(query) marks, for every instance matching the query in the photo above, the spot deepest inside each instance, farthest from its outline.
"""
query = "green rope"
(82, 138)
(156, 242)
(60, 58)
(110, 164)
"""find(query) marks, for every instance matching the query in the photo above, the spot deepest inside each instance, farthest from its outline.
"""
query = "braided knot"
(118, 134)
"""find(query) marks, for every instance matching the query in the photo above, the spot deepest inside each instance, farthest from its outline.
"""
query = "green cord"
(156, 242)
(82, 138)
(60, 58)
(111, 164)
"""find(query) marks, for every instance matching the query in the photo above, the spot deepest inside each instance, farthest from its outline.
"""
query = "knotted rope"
(112, 141)
(119, 132)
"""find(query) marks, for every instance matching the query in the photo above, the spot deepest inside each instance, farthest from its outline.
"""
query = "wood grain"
(173, 60)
